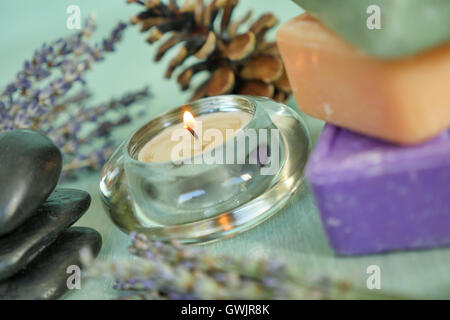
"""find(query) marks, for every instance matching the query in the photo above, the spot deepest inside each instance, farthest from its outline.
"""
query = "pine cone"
(238, 63)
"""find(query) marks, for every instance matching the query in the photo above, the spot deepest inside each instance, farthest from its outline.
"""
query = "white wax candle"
(159, 148)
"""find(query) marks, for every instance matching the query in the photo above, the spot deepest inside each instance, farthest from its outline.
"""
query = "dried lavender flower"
(173, 271)
(50, 94)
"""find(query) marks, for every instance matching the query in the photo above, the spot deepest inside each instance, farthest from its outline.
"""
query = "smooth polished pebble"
(30, 167)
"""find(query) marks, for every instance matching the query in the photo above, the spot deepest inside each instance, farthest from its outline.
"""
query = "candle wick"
(192, 132)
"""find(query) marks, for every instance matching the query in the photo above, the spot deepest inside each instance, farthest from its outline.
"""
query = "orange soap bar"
(403, 101)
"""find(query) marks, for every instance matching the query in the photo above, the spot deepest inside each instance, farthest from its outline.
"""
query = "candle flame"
(189, 120)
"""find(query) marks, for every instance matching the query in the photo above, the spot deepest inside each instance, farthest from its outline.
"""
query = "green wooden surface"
(294, 234)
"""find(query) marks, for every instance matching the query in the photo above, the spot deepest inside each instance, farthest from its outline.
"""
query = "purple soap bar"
(374, 196)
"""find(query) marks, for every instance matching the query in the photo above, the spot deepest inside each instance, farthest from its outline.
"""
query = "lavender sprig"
(173, 271)
(50, 94)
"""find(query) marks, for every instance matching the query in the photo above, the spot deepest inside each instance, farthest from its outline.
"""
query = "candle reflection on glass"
(196, 134)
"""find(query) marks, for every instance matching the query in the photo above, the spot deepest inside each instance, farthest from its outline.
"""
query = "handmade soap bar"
(406, 26)
(374, 196)
(404, 101)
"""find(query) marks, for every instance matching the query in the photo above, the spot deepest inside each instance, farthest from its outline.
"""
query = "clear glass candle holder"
(192, 201)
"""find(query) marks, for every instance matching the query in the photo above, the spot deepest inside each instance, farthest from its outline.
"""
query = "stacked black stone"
(36, 244)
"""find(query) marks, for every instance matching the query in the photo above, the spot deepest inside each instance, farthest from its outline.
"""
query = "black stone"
(62, 209)
(30, 165)
(46, 277)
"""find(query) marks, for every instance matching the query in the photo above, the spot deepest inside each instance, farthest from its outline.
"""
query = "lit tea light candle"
(189, 123)
(195, 134)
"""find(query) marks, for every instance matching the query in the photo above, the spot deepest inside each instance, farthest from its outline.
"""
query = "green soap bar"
(407, 26)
